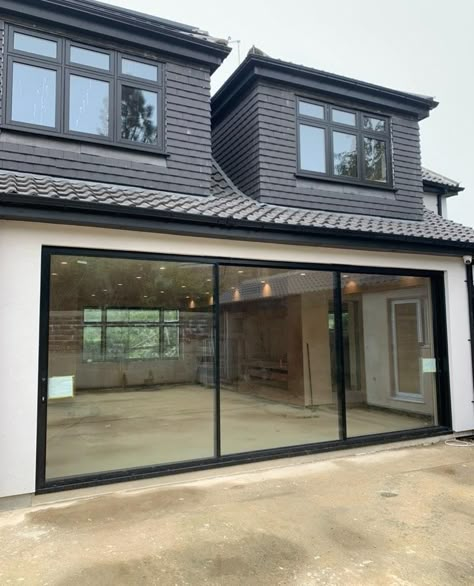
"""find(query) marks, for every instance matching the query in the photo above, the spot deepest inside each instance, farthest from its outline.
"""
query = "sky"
(420, 46)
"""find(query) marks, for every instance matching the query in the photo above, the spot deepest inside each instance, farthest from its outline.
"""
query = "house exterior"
(190, 283)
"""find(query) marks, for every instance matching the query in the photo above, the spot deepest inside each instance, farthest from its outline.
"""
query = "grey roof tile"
(433, 177)
(227, 201)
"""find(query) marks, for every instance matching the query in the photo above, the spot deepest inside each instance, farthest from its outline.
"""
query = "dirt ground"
(392, 517)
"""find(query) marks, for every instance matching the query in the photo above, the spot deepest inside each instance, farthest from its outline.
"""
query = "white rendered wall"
(20, 269)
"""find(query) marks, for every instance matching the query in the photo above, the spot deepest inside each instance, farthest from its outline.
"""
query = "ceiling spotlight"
(119, 284)
(162, 268)
(183, 286)
(145, 296)
(188, 297)
(138, 277)
(93, 295)
(345, 276)
(105, 290)
(240, 272)
(263, 282)
(54, 274)
(303, 274)
(64, 262)
(161, 291)
(208, 280)
(81, 262)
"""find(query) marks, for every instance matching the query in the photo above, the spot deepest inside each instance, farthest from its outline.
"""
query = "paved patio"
(373, 516)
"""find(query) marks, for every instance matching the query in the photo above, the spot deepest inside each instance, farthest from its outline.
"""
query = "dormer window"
(60, 87)
(343, 144)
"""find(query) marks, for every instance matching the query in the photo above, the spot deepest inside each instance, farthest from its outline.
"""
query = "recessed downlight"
(81, 262)
(138, 277)
(119, 284)
(54, 274)
(64, 262)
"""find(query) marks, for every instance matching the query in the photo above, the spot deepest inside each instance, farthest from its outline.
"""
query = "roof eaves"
(257, 63)
(66, 12)
(252, 229)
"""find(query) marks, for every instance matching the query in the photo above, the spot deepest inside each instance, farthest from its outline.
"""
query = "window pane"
(116, 342)
(389, 352)
(92, 343)
(140, 404)
(313, 110)
(34, 95)
(35, 45)
(345, 154)
(375, 160)
(171, 315)
(343, 117)
(312, 148)
(117, 315)
(143, 342)
(139, 115)
(89, 105)
(375, 124)
(144, 315)
(277, 384)
(170, 341)
(92, 314)
(90, 58)
(137, 69)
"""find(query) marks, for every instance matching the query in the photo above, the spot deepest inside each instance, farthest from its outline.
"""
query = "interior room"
(133, 360)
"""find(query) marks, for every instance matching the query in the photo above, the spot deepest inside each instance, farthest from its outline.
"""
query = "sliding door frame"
(441, 351)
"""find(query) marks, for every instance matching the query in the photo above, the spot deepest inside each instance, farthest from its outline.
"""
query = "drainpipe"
(470, 293)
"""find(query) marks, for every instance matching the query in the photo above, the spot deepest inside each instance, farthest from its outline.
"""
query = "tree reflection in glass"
(139, 115)
(345, 154)
(375, 160)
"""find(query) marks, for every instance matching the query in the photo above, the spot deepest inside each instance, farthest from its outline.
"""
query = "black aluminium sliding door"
(151, 363)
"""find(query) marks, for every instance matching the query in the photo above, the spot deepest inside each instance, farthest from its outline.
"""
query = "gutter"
(31, 208)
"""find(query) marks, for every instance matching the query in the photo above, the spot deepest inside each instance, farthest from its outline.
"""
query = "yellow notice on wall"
(61, 387)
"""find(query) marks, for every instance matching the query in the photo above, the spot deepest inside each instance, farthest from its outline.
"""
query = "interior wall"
(20, 271)
(378, 356)
(65, 358)
(316, 349)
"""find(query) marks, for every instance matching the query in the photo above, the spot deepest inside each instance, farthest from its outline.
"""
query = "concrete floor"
(99, 431)
(396, 517)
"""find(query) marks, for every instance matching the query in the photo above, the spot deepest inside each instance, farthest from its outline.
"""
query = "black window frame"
(440, 340)
(65, 67)
(104, 324)
(329, 126)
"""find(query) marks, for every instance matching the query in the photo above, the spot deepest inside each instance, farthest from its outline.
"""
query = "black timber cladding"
(185, 168)
(236, 146)
(271, 158)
